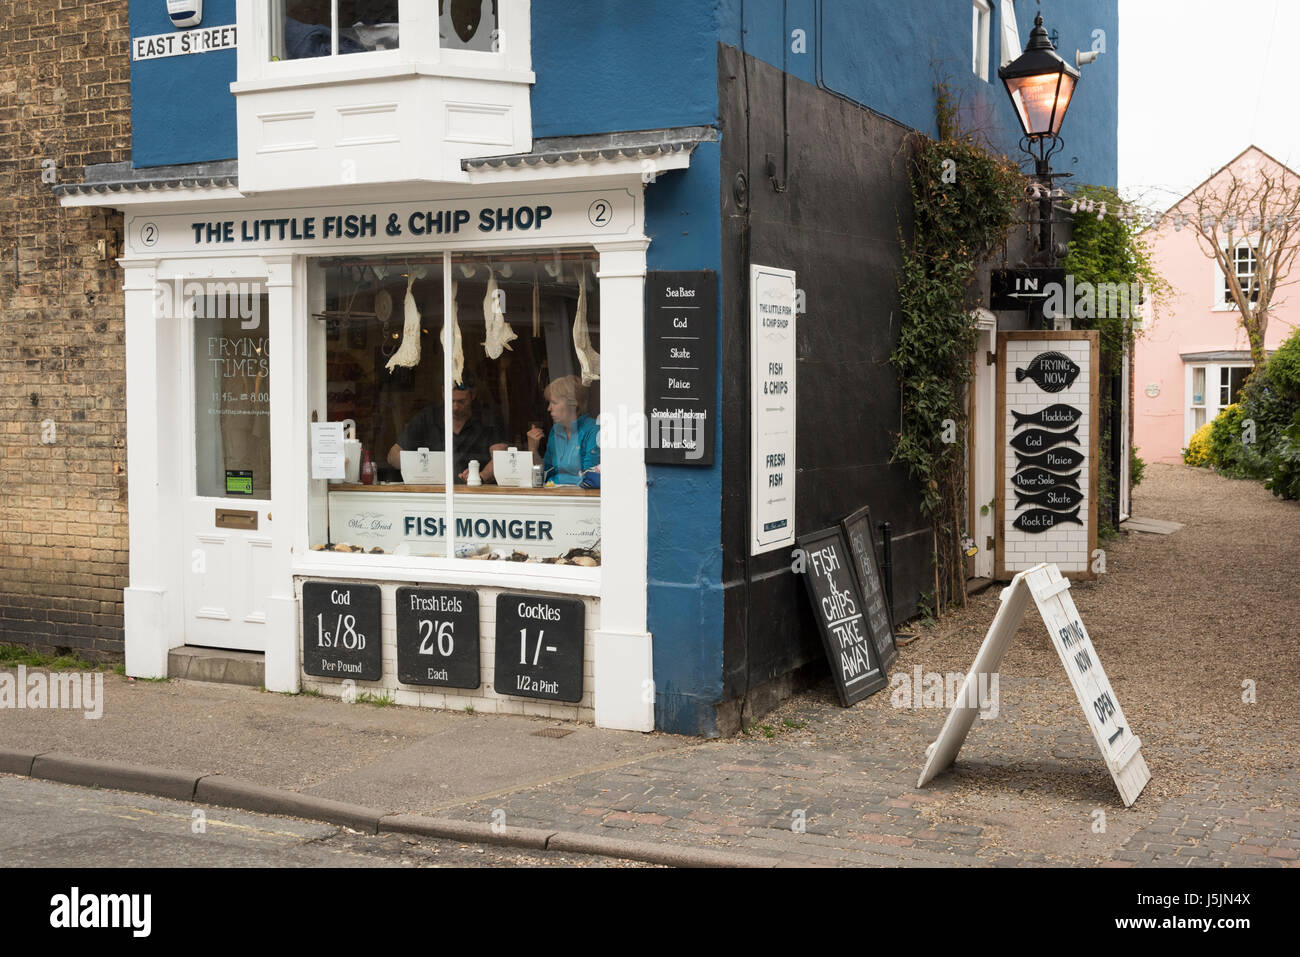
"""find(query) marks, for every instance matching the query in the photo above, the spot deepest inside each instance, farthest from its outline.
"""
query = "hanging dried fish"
(499, 333)
(588, 358)
(408, 354)
(457, 352)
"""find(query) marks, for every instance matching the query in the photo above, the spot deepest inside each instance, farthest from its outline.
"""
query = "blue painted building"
(729, 133)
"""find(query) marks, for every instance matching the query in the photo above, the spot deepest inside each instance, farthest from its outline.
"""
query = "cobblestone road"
(1181, 624)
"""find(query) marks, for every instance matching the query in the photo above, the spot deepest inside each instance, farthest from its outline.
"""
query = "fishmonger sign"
(493, 220)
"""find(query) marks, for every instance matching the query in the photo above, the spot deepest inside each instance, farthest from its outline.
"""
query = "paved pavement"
(811, 783)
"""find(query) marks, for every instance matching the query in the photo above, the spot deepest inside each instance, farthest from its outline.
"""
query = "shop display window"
(523, 471)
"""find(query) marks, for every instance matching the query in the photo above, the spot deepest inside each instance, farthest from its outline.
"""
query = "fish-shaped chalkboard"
(1036, 440)
(1058, 460)
(1041, 478)
(1052, 417)
(1052, 371)
(1039, 520)
(1057, 499)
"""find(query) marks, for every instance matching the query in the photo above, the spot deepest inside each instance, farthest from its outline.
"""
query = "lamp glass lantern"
(1040, 85)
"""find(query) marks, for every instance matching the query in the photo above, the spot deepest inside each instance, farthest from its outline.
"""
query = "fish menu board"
(773, 307)
(1047, 456)
(681, 348)
(862, 547)
(340, 630)
(840, 611)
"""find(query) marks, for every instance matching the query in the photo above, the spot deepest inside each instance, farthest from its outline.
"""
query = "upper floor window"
(469, 25)
(981, 16)
(303, 29)
(307, 29)
(1244, 264)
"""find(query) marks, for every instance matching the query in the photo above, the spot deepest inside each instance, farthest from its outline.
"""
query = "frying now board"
(1050, 591)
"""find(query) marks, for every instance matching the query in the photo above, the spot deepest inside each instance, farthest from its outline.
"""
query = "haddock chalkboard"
(438, 637)
(862, 546)
(838, 608)
(539, 647)
(340, 631)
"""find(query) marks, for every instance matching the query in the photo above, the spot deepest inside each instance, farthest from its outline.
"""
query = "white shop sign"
(1119, 746)
(539, 525)
(1046, 509)
(474, 223)
(207, 40)
(772, 404)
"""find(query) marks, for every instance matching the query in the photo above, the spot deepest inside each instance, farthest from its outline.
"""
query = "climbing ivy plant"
(1107, 251)
(964, 205)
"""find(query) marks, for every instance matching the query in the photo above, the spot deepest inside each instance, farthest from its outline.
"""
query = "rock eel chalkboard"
(875, 605)
(838, 607)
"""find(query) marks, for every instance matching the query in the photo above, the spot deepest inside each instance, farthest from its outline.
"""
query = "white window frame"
(1211, 401)
(419, 50)
(981, 28)
(1221, 299)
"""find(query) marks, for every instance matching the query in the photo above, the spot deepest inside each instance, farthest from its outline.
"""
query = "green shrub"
(1231, 455)
(1285, 461)
(1284, 368)
(1137, 468)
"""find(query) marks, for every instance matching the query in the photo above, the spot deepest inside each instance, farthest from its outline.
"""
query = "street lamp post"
(1041, 85)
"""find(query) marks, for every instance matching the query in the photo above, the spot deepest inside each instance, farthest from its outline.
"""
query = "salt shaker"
(474, 477)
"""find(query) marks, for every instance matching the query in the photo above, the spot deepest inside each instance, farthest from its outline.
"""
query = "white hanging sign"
(1120, 747)
(772, 408)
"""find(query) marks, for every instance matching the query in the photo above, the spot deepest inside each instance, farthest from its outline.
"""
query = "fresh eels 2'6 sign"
(1047, 458)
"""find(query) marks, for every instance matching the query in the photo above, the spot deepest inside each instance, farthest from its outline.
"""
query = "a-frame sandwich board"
(1050, 591)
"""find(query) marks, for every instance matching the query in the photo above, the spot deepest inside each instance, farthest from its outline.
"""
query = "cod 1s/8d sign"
(438, 637)
(539, 647)
(340, 631)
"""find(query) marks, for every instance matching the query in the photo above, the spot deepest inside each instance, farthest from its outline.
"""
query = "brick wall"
(64, 96)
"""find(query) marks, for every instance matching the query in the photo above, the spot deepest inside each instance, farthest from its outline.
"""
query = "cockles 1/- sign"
(1048, 430)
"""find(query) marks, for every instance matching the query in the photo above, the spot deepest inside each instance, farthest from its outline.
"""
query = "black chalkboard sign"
(681, 349)
(875, 605)
(539, 647)
(438, 637)
(340, 631)
(837, 605)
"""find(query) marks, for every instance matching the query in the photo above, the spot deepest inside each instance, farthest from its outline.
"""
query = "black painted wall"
(837, 224)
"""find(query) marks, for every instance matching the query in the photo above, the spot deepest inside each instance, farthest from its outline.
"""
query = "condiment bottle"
(367, 468)
(474, 477)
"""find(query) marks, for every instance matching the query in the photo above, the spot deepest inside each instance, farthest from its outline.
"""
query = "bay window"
(518, 386)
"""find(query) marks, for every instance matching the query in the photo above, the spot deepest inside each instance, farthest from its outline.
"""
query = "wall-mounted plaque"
(438, 637)
(539, 646)
(681, 350)
(340, 631)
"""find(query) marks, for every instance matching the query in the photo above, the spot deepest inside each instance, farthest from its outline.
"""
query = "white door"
(226, 443)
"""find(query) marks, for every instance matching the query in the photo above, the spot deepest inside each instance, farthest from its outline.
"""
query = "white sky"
(1199, 81)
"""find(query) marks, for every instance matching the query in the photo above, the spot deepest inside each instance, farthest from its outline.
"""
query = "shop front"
(293, 369)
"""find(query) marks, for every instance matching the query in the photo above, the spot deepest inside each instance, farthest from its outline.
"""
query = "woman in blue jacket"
(574, 443)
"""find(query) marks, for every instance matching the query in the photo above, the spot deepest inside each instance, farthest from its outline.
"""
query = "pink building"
(1192, 360)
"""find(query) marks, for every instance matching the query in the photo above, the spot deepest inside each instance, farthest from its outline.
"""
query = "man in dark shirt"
(479, 432)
